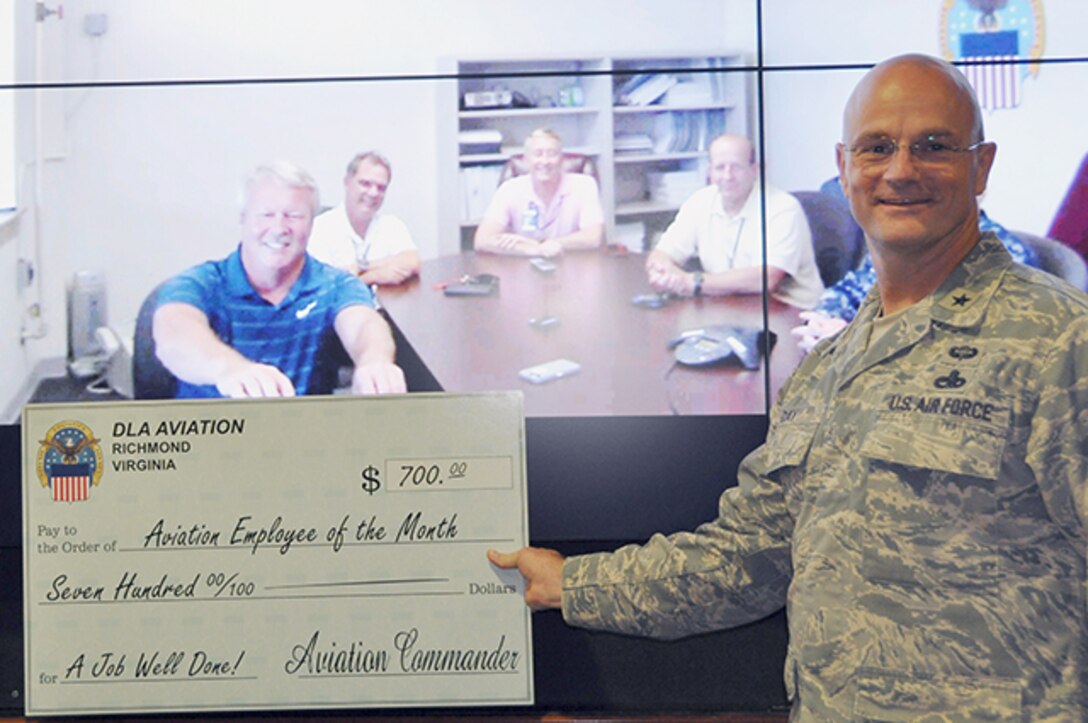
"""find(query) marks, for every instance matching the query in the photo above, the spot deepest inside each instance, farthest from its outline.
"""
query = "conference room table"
(480, 343)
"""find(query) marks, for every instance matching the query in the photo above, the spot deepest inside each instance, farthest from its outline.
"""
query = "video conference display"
(133, 176)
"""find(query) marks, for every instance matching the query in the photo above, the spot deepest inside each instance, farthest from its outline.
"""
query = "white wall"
(1040, 143)
(15, 364)
(18, 357)
(7, 100)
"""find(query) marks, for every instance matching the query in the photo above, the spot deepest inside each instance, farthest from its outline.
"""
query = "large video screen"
(133, 135)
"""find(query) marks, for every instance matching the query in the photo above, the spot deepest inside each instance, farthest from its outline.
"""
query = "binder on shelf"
(646, 89)
(681, 139)
(629, 86)
(690, 93)
(664, 134)
(715, 126)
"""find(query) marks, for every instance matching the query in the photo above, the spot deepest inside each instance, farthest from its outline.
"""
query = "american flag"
(70, 482)
(992, 69)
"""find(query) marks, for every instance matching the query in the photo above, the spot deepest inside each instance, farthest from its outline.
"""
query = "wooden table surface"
(627, 367)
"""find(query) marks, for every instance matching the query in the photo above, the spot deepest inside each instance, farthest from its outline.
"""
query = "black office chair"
(150, 379)
(837, 239)
(1057, 258)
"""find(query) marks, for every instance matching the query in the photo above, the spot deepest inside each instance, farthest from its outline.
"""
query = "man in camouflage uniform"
(919, 505)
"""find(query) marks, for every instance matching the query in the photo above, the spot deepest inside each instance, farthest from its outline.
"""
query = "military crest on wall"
(993, 42)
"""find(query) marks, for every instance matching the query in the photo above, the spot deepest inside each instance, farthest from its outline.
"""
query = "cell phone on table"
(549, 371)
(478, 285)
(542, 265)
(650, 301)
(544, 322)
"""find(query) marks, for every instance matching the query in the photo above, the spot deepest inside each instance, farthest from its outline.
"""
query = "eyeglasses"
(931, 151)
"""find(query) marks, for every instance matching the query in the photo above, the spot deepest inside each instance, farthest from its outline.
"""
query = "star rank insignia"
(957, 300)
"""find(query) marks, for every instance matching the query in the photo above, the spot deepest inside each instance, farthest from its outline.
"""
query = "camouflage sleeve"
(1058, 441)
(728, 572)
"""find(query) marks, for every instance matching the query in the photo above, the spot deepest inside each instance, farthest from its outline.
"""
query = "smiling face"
(732, 170)
(905, 202)
(544, 154)
(364, 190)
(275, 226)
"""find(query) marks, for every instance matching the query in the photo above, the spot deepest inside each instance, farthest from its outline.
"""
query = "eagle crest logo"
(69, 461)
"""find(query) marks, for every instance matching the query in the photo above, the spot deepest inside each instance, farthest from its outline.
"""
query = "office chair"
(1058, 259)
(837, 239)
(150, 379)
(572, 163)
(1070, 224)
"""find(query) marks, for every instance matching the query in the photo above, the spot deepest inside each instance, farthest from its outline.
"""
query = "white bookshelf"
(580, 99)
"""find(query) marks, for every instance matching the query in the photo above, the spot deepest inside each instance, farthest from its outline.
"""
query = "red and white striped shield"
(70, 487)
(996, 81)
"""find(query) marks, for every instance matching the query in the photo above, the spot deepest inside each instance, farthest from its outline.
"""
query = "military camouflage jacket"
(919, 507)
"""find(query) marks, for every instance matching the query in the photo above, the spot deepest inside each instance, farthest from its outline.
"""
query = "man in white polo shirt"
(720, 227)
(357, 237)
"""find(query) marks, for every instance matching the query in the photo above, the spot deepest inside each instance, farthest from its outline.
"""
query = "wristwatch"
(697, 283)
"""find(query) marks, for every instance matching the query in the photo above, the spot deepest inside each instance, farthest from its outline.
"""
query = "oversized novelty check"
(282, 554)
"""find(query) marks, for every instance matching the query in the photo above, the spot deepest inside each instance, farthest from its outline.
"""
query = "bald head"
(941, 83)
(912, 161)
(732, 170)
(738, 145)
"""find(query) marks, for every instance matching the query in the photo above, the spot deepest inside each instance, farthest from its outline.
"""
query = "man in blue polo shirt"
(262, 321)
